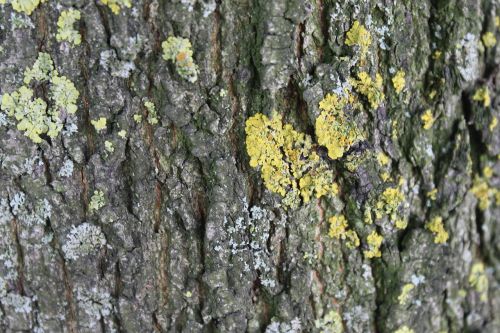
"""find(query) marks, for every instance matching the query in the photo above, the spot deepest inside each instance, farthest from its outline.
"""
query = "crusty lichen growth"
(330, 323)
(96, 201)
(179, 51)
(65, 30)
(117, 5)
(333, 129)
(479, 280)
(493, 123)
(374, 241)
(32, 114)
(289, 165)
(152, 114)
(398, 81)
(483, 192)
(359, 36)
(405, 293)
(83, 240)
(339, 230)
(99, 124)
(389, 203)
(24, 6)
(436, 226)
(427, 119)
(371, 89)
(489, 39)
(482, 95)
(404, 329)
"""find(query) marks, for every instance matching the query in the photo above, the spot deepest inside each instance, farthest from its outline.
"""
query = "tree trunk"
(186, 237)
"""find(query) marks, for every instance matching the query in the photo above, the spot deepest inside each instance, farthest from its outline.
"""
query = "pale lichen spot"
(398, 81)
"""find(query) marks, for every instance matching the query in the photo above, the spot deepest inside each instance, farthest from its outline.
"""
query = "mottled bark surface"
(194, 241)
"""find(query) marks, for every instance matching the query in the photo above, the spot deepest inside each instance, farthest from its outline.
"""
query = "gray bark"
(194, 240)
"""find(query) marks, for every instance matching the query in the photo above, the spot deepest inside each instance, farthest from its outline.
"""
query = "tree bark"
(194, 242)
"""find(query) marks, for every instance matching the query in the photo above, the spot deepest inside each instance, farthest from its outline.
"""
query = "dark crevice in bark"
(215, 38)
(116, 293)
(85, 94)
(323, 23)
(299, 44)
(478, 149)
(128, 180)
(156, 324)
(71, 321)
(20, 256)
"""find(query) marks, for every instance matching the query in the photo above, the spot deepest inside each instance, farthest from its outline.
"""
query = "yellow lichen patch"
(482, 192)
(432, 194)
(404, 329)
(497, 21)
(333, 129)
(435, 225)
(437, 55)
(401, 224)
(493, 124)
(389, 202)
(99, 124)
(487, 172)
(289, 165)
(367, 216)
(179, 50)
(152, 114)
(137, 118)
(65, 30)
(339, 230)
(374, 241)
(427, 119)
(96, 201)
(24, 6)
(122, 134)
(489, 39)
(405, 293)
(117, 5)
(383, 159)
(371, 89)
(108, 145)
(482, 95)
(331, 323)
(398, 81)
(33, 114)
(358, 35)
(479, 280)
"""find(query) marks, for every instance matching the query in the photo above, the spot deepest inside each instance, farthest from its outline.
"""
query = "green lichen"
(99, 124)
(152, 114)
(65, 30)
(405, 293)
(330, 323)
(96, 201)
(24, 6)
(117, 5)
(404, 329)
(179, 51)
(479, 280)
(33, 114)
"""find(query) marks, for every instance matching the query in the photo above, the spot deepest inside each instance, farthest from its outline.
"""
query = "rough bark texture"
(194, 240)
